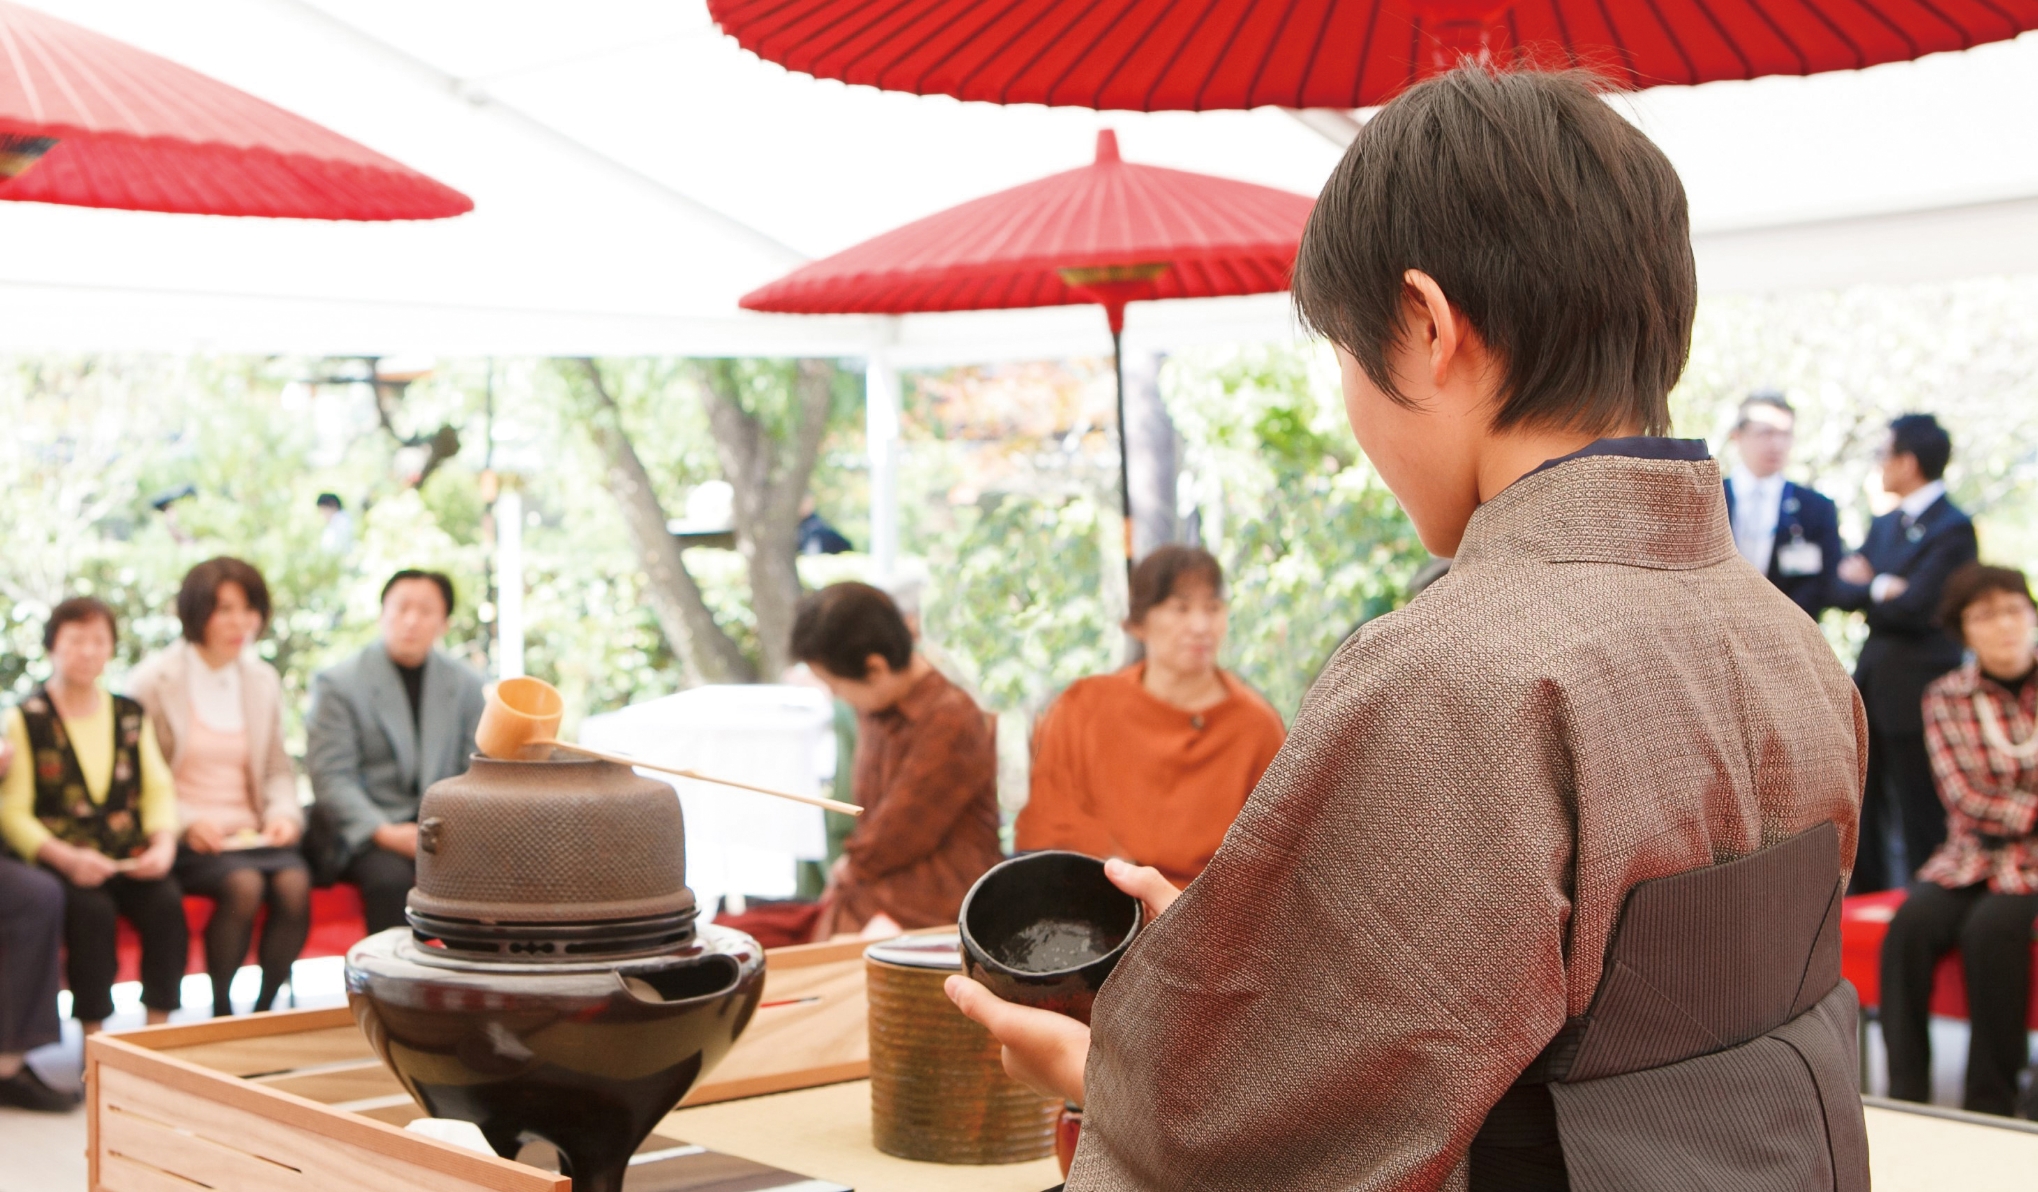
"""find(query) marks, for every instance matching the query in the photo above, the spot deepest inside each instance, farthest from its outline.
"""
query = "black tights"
(1993, 933)
(234, 903)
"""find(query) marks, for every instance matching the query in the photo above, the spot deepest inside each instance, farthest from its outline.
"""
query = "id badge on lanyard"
(1798, 557)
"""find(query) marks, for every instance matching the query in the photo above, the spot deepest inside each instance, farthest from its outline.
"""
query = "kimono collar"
(1641, 502)
(921, 698)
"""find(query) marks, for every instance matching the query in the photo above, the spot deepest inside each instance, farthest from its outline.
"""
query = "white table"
(767, 734)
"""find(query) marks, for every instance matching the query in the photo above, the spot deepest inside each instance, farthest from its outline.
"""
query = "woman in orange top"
(1152, 763)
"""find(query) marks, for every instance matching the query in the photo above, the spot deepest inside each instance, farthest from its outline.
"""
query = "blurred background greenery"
(1009, 478)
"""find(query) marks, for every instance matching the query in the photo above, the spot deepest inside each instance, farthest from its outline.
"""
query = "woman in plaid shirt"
(1979, 892)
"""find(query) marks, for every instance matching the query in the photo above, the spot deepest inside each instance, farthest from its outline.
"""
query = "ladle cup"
(520, 720)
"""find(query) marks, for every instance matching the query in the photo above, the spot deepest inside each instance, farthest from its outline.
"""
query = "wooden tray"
(296, 1099)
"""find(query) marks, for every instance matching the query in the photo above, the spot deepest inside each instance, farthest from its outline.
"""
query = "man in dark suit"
(1896, 580)
(385, 725)
(1786, 531)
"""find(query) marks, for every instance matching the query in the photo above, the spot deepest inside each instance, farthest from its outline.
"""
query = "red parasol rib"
(1169, 55)
(93, 122)
(1110, 232)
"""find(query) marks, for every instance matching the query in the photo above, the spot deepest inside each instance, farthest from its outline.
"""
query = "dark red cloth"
(775, 924)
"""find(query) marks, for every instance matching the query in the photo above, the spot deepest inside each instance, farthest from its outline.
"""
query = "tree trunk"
(706, 651)
(770, 478)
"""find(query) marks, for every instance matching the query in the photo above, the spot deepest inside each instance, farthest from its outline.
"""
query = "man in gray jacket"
(385, 725)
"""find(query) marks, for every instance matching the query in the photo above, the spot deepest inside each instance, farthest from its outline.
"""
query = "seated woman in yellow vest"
(90, 799)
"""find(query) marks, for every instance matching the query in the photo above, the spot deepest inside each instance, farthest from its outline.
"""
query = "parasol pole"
(1116, 313)
(1112, 286)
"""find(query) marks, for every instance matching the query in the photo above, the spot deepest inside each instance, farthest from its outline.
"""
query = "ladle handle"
(621, 760)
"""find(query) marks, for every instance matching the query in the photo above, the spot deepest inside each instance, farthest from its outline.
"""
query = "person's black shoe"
(2027, 1097)
(25, 1090)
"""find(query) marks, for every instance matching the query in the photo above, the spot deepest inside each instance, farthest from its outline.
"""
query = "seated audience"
(1979, 892)
(31, 929)
(91, 801)
(217, 711)
(385, 725)
(1153, 762)
(926, 769)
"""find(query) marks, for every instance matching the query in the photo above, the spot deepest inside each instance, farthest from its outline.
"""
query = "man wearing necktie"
(1787, 531)
(1896, 580)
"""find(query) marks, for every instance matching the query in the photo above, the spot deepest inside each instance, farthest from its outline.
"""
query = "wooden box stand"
(296, 1100)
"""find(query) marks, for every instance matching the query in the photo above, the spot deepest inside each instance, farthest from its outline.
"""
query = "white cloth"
(1758, 504)
(778, 736)
(216, 694)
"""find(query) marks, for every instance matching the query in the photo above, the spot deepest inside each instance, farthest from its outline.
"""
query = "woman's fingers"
(1043, 1050)
(1143, 882)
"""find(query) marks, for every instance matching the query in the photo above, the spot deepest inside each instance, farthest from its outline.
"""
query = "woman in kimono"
(1554, 854)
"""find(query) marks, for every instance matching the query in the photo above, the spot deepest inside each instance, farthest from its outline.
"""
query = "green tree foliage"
(94, 439)
(1021, 597)
(1026, 588)
(1312, 542)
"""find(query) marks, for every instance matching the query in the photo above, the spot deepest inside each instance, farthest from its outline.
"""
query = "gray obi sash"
(1718, 1052)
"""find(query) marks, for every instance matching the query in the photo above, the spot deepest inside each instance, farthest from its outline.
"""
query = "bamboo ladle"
(522, 714)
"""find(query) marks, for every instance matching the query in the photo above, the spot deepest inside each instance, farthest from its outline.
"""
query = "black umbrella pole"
(1124, 453)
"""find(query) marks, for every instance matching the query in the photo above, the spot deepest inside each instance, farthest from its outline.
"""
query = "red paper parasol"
(1164, 55)
(93, 122)
(1110, 232)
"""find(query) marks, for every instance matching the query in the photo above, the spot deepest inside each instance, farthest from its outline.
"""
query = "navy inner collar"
(1636, 447)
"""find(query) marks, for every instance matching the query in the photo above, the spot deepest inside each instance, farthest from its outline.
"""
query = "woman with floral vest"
(90, 799)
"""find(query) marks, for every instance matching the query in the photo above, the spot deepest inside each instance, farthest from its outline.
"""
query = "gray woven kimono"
(1418, 904)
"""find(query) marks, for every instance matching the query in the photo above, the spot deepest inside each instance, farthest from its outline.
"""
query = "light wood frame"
(220, 1104)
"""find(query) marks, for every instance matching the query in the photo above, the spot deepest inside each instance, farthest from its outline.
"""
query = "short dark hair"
(199, 595)
(842, 625)
(74, 610)
(1157, 576)
(439, 579)
(1773, 398)
(1971, 583)
(1556, 226)
(1921, 437)
(330, 501)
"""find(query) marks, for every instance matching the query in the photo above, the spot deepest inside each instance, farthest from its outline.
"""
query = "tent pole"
(881, 439)
(1124, 440)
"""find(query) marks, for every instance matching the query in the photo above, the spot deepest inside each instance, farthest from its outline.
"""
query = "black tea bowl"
(1044, 929)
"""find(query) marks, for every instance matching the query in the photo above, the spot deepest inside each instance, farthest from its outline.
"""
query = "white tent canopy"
(634, 173)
